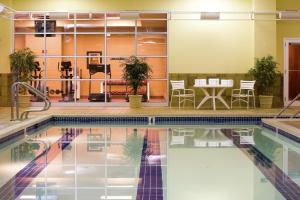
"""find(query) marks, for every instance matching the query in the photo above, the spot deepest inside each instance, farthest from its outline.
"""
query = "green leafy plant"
(264, 72)
(135, 72)
(22, 64)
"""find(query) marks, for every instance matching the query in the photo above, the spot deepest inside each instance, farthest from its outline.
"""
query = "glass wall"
(80, 55)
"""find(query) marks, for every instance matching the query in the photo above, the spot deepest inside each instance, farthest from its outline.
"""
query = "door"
(292, 71)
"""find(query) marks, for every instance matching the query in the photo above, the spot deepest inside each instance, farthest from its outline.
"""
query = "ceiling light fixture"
(6, 11)
(292, 14)
(2, 8)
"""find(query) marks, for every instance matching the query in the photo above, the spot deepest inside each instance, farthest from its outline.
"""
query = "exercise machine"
(93, 69)
(37, 84)
(67, 91)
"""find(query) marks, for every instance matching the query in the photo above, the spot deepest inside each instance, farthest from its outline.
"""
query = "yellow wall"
(210, 46)
(222, 5)
(288, 5)
(5, 40)
(286, 29)
(264, 31)
(5, 44)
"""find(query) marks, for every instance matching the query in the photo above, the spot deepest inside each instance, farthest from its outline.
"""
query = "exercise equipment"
(67, 91)
(37, 74)
(93, 69)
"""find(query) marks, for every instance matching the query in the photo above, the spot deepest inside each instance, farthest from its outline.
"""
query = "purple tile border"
(281, 181)
(281, 132)
(150, 179)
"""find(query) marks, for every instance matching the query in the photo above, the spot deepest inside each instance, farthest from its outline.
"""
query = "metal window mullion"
(105, 58)
(105, 160)
(45, 56)
(75, 59)
(75, 163)
(135, 38)
(168, 52)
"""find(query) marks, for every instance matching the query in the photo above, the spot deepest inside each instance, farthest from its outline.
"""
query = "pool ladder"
(288, 106)
(15, 101)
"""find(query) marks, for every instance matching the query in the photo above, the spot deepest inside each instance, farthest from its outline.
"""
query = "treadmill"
(94, 69)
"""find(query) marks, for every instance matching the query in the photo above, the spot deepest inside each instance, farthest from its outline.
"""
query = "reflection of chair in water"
(246, 135)
(179, 134)
(213, 137)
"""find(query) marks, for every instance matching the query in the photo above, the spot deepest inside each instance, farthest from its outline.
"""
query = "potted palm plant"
(22, 64)
(264, 72)
(135, 72)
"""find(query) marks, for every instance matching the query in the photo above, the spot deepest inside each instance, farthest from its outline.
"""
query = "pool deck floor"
(8, 126)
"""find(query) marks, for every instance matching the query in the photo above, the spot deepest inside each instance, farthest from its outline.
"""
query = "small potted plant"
(135, 72)
(264, 72)
(22, 64)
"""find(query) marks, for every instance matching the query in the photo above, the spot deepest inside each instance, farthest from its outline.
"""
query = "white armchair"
(183, 95)
(244, 94)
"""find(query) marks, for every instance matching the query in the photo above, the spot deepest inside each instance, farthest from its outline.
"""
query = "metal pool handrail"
(15, 100)
(288, 106)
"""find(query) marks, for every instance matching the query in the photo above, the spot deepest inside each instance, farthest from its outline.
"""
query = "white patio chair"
(246, 135)
(183, 95)
(179, 134)
(244, 94)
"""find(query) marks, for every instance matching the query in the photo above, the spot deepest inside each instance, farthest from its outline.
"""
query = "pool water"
(83, 162)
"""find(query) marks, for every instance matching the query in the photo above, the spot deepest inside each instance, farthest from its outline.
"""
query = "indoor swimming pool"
(79, 161)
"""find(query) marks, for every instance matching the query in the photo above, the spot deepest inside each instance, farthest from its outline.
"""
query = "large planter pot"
(24, 101)
(265, 101)
(135, 101)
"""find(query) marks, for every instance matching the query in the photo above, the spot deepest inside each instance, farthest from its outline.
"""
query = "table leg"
(214, 98)
(207, 97)
(219, 96)
(101, 86)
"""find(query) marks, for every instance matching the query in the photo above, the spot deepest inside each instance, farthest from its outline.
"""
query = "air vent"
(128, 15)
(58, 15)
(210, 15)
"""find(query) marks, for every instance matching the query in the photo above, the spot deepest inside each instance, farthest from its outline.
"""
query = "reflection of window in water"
(96, 142)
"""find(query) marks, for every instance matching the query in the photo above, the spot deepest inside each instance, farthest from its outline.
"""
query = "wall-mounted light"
(288, 15)
(210, 15)
(5, 11)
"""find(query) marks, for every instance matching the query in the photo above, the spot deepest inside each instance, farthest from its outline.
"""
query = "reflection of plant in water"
(24, 151)
(133, 147)
(267, 146)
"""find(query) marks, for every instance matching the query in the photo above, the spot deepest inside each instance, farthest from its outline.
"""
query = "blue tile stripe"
(281, 181)
(151, 184)
(87, 119)
(18, 183)
(207, 120)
